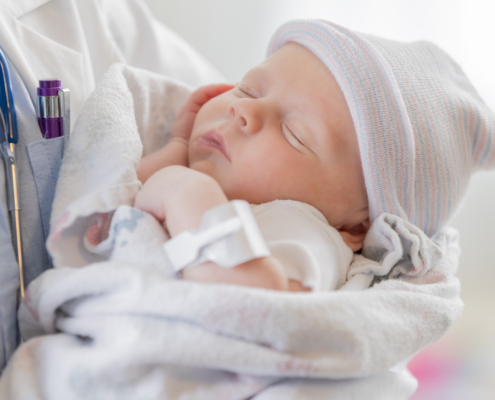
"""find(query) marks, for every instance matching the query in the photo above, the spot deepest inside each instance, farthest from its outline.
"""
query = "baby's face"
(284, 132)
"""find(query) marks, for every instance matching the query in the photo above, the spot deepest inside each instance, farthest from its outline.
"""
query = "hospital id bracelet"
(228, 236)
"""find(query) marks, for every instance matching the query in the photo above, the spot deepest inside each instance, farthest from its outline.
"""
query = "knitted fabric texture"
(422, 128)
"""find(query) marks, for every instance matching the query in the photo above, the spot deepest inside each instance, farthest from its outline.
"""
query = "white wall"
(233, 35)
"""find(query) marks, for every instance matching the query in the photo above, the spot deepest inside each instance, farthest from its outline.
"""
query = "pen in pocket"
(54, 109)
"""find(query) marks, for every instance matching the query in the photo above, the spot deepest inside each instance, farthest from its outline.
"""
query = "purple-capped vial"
(51, 118)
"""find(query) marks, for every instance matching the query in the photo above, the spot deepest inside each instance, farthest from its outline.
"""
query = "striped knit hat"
(422, 128)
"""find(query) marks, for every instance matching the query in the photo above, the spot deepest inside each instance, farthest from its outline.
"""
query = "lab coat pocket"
(45, 157)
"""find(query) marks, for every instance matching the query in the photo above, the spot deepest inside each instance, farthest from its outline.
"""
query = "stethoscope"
(8, 124)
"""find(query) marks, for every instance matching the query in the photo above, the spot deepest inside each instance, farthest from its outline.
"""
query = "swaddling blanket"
(121, 330)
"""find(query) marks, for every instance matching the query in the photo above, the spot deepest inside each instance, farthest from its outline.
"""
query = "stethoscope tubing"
(8, 123)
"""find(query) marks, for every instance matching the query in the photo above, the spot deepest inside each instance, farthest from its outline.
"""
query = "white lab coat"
(77, 41)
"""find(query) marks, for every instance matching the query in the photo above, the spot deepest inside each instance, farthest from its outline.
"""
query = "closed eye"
(292, 138)
(247, 91)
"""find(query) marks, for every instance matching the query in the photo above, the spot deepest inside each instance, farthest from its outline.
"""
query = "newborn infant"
(335, 128)
(284, 133)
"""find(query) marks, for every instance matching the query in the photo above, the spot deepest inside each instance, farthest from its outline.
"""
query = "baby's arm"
(175, 152)
(180, 196)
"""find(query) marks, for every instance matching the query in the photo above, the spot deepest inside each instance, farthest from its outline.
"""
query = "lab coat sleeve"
(146, 43)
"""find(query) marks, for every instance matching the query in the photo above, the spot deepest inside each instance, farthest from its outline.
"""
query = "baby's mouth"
(213, 140)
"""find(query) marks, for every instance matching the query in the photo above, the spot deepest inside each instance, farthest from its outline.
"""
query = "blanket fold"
(127, 329)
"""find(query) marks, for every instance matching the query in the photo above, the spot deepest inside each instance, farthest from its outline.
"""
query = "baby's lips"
(214, 140)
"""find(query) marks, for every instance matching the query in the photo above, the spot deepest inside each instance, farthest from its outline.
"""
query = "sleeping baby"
(272, 141)
(332, 130)
(268, 142)
(339, 141)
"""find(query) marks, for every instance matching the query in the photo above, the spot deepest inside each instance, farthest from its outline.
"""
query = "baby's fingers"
(199, 97)
(185, 119)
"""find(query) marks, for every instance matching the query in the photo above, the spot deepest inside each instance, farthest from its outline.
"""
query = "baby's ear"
(353, 235)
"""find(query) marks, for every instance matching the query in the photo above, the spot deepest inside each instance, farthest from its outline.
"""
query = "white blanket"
(123, 330)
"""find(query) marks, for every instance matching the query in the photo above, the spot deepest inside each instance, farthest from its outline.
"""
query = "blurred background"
(233, 35)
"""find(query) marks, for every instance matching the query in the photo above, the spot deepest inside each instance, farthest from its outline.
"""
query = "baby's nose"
(240, 120)
(246, 115)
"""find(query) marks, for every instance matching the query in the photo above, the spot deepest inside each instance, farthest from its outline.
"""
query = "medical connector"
(228, 236)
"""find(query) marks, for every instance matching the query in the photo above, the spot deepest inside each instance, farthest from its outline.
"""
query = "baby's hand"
(185, 118)
(163, 187)
(180, 195)
(175, 152)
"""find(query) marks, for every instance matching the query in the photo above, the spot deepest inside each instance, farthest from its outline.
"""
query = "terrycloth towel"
(98, 173)
(123, 330)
